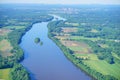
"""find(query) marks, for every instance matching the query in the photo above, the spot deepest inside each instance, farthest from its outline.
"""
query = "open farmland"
(4, 32)
(87, 35)
(5, 48)
(104, 68)
(77, 47)
(13, 27)
(69, 29)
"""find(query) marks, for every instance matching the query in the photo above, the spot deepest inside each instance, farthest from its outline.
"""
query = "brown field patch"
(73, 43)
(82, 51)
(77, 47)
(68, 30)
(70, 43)
(4, 32)
(5, 48)
(63, 37)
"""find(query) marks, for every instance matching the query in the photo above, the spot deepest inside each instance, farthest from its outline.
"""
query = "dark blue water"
(47, 62)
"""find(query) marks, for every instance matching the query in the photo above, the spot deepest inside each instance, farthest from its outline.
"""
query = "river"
(47, 61)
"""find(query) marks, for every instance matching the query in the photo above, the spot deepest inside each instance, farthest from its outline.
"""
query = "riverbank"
(67, 52)
(17, 55)
(70, 54)
(38, 58)
(20, 40)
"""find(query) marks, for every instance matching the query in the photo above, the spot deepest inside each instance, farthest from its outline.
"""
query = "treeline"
(22, 16)
(105, 22)
(1, 38)
(102, 32)
(105, 53)
(102, 53)
(18, 72)
(13, 37)
(55, 26)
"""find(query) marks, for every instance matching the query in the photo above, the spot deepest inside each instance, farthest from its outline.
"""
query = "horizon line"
(64, 4)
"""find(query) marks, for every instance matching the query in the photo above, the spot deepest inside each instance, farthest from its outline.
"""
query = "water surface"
(47, 62)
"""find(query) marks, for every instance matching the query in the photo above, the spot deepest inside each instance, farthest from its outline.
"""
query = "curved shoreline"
(59, 45)
(60, 56)
(94, 74)
(20, 40)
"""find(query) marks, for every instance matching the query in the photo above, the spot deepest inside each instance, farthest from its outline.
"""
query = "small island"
(37, 40)
(41, 43)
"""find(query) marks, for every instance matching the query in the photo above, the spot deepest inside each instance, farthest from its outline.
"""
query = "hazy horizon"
(111, 2)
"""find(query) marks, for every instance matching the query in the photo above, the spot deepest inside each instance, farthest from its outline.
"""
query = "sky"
(63, 1)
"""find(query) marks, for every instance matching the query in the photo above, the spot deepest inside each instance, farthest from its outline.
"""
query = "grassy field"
(101, 65)
(79, 38)
(104, 68)
(85, 38)
(4, 74)
(115, 56)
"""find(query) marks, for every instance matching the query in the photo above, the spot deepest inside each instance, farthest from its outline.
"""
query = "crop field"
(86, 38)
(5, 48)
(78, 38)
(62, 37)
(14, 27)
(72, 24)
(77, 47)
(4, 32)
(68, 30)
